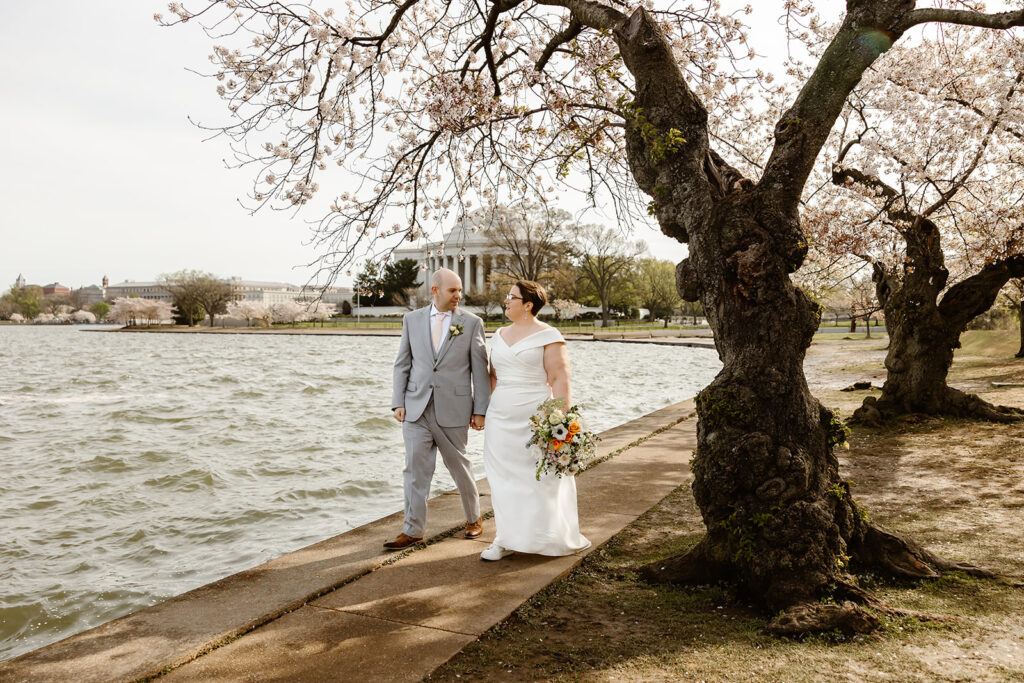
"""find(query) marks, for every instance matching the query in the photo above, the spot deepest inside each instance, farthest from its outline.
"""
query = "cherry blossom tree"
(444, 107)
(83, 317)
(938, 216)
(288, 312)
(566, 309)
(133, 311)
(318, 310)
(248, 311)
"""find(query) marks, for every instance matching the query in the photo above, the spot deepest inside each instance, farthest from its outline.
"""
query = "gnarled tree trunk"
(924, 330)
(780, 520)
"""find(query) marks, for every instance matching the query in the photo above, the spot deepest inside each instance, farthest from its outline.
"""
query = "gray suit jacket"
(456, 376)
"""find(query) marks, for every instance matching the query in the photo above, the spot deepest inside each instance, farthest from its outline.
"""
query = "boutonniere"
(455, 330)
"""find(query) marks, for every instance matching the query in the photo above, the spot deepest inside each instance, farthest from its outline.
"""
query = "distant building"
(265, 292)
(271, 293)
(467, 252)
(90, 295)
(56, 289)
(144, 290)
(20, 282)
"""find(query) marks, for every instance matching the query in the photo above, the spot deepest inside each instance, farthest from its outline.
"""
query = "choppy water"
(134, 467)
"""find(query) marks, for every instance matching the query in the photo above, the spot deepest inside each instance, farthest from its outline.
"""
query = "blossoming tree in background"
(443, 107)
(318, 310)
(288, 312)
(249, 311)
(138, 311)
(939, 216)
(83, 317)
(566, 309)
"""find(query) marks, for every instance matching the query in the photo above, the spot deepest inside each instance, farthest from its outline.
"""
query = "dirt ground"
(957, 486)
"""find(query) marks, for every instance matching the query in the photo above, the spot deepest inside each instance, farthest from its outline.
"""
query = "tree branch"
(1001, 20)
(802, 130)
(571, 31)
(945, 197)
(592, 14)
(975, 295)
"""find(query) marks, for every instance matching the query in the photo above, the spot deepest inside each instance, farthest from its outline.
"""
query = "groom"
(441, 388)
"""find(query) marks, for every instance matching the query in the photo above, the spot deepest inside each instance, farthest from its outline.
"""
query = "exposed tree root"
(848, 618)
(857, 611)
(900, 556)
(876, 411)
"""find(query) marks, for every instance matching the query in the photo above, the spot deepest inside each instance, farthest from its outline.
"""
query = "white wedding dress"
(530, 516)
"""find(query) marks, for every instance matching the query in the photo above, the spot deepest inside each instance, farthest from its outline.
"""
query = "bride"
(529, 363)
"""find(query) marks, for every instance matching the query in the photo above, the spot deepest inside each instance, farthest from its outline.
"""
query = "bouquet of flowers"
(560, 441)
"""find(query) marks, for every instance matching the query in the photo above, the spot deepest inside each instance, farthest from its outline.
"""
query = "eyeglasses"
(509, 297)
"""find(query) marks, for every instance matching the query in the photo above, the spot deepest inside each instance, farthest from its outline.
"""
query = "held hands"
(477, 422)
(400, 414)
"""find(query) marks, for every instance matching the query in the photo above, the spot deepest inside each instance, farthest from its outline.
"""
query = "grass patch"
(989, 343)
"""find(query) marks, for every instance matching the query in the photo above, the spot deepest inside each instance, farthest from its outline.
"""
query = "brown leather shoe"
(402, 541)
(474, 529)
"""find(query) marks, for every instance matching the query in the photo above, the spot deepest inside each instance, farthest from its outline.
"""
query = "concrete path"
(344, 610)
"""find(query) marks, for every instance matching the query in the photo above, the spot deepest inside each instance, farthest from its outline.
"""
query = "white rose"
(556, 417)
(535, 452)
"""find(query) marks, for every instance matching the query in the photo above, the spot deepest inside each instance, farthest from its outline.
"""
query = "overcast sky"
(102, 173)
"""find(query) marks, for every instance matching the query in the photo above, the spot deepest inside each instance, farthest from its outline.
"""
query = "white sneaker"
(495, 552)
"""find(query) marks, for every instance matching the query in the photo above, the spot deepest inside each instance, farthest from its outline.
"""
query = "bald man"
(441, 388)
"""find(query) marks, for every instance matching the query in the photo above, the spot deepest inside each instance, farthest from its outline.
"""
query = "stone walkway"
(344, 610)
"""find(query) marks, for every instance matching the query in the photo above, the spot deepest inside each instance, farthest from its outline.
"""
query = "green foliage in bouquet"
(561, 442)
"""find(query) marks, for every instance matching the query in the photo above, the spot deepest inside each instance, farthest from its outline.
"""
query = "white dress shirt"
(445, 327)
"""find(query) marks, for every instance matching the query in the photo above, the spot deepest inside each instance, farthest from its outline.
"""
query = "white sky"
(101, 171)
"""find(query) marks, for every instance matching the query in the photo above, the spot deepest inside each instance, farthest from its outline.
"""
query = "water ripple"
(139, 466)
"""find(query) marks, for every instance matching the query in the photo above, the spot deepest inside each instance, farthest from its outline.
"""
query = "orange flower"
(568, 437)
(574, 427)
(556, 444)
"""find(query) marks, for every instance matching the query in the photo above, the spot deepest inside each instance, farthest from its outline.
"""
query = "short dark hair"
(532, 293)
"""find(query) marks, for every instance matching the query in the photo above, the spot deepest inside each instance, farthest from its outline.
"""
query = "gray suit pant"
(423, 439)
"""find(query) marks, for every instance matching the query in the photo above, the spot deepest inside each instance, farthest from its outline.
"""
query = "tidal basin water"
(139, 466)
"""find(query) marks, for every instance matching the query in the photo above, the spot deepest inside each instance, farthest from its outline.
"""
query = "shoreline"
(181, 630)
(696, 338)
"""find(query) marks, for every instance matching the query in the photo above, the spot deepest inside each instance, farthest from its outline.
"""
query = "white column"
(480, 272)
